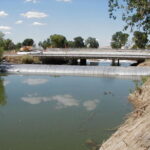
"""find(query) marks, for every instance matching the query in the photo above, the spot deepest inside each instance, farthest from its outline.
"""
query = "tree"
(79, 42)
(8, 45)
(71, 44)
(18, 45)
(1, 53)
(140, 39)
(58, 41)
(28, 42)
(45, 44)
(2, 93)
(119, 39)
(91, 43)
(135, 13)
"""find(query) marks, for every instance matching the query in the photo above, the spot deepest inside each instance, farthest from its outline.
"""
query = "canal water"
(61, 112)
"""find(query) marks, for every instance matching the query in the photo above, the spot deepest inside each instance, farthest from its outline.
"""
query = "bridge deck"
(93, 54)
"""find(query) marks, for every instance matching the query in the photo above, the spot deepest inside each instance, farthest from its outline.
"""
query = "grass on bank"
(26, 59)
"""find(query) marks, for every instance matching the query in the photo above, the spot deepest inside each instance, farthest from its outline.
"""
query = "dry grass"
(26, 59)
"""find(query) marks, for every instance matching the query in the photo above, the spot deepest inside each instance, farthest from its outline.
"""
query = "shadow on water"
(2, 93)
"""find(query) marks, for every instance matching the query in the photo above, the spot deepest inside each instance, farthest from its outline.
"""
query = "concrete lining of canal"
(76, 70)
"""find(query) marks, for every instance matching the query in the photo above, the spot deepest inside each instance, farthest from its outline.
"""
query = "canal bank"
(134, 134)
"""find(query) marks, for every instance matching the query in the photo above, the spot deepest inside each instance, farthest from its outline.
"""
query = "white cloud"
(33, 1)
(6, 33)
(38, 24)
(19, 22)
(64, 1)
(3, 14)
(90, 105)
(35, 81)
(5, 28)
(34, 14)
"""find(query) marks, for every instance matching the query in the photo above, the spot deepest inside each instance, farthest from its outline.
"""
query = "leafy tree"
(28, 42)
(45, 44)
(18, 45)
(8, 45)
(58, 41)
(119, 39)
(135, 13)
(79, 42)
(1, 53)
(91, 43)
(71, 44)
(2, 93)
(140, 39)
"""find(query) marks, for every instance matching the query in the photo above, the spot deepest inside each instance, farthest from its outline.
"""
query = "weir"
(76, 70)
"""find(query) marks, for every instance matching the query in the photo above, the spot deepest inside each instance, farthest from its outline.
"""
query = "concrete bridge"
(84, 54)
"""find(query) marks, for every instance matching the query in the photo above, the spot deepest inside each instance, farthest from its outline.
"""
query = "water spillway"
(76, 70)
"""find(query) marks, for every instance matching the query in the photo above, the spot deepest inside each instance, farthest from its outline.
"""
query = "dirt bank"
(145, 63)
(134, 134)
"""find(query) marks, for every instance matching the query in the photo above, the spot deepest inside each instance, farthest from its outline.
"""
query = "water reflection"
(2, 93)
(62, 101)
(35, 81)
(91, 104)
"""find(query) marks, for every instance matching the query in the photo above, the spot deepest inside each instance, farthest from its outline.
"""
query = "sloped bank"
(134, 134)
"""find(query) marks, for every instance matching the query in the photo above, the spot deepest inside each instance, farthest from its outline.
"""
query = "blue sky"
(38, 19)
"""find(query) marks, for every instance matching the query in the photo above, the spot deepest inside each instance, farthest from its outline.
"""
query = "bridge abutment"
(82, 61)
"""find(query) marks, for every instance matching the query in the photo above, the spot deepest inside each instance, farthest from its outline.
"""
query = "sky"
(38, 19)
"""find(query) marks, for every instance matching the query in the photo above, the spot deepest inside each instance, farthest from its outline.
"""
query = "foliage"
(1, 53)
(71, 44)
(79, 42)
(28, 42)
(91, 43)
(58, 41)
(145, 79)
(119, 39)
(8, 45)
(18, 46)
(45, 44)
(136, 13)
(140, 39)
(2, 93)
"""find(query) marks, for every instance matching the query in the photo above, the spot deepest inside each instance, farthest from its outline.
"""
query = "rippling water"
(53, 113)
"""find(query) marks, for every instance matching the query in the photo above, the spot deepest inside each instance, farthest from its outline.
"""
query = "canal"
(60, 112)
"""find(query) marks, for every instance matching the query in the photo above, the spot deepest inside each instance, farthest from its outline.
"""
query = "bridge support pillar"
(113, 62)
(82, 61)
(118, 62)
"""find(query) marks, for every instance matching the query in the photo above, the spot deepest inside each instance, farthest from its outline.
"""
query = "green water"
(53, 113)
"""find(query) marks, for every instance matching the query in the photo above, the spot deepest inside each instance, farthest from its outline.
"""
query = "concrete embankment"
(77, 70)
(134, 134)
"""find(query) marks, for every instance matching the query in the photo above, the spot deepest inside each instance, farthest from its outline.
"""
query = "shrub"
(30, 60)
